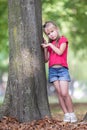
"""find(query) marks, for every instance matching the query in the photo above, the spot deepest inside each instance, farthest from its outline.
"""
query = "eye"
(48, 33)
(52, 31)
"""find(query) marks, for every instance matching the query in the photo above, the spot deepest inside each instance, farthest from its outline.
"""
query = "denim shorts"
(60, 73)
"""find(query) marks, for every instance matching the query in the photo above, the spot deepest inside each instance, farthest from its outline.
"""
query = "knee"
(64, 94)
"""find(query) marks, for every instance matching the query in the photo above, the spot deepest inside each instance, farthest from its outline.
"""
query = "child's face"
(52, 32)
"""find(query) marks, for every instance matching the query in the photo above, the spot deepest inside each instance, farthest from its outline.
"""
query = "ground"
(54, 123)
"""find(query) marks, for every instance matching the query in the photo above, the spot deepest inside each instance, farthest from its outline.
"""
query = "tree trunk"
(26, 94)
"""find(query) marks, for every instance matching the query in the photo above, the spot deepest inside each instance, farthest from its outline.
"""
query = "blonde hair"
(47, 24)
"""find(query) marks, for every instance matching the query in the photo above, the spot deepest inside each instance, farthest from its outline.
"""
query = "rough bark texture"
(26, 94)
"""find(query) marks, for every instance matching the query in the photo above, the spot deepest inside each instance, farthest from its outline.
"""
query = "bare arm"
(46, 53)
(58, 51)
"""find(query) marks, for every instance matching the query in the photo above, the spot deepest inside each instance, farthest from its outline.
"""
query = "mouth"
(53, 38)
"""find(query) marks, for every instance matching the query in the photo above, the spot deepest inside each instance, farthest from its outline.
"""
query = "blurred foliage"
(3, 36)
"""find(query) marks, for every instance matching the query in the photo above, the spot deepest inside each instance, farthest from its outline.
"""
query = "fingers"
(44, 45)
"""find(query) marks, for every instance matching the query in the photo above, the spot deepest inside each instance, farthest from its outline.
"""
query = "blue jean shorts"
(60, 73)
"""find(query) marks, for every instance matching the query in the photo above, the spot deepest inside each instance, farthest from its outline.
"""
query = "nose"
(51, 34)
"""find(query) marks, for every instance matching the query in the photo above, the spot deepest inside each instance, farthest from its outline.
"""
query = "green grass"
(54, 99)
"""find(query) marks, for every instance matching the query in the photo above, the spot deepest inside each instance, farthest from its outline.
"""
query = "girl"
(56, 53)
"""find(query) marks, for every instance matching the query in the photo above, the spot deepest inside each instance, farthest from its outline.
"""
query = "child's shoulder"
(63, 39)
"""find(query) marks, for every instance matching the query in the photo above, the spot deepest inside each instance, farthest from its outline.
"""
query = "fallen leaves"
(10, 123)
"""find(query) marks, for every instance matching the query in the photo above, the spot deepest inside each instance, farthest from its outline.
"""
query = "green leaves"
(3, 35)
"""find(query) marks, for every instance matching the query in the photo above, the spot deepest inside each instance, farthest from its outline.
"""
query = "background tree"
(26, 95)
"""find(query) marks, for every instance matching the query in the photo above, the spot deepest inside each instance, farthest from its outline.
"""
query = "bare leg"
(65, 101)
(66, 97)
(61, 99)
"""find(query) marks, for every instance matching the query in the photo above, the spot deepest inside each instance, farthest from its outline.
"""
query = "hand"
(43, 45)
(46, 45)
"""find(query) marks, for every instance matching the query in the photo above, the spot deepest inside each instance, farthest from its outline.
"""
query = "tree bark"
(26, 94)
